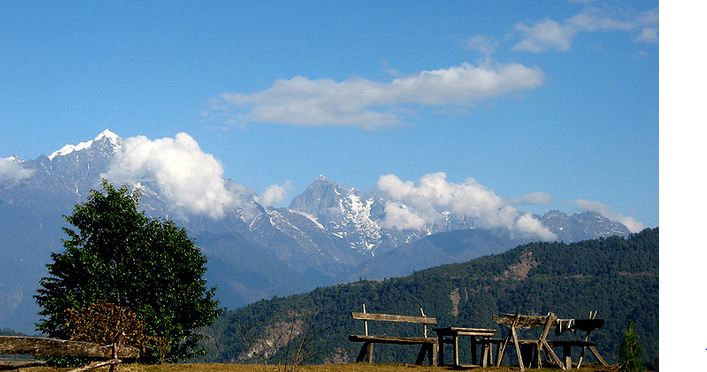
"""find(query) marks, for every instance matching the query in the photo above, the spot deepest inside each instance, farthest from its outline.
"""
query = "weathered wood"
(112, 362)
(42, 346)
(392, 340)
(596, 354)
(427, 347)
(522, 321)
(17, 364)
(576, 343)
(394, 318)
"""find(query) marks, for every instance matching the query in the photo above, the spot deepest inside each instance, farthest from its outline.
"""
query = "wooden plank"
(601, 360)
(112, 362)
(392, 340)
(17, 364)
(55, 347)
(394, 318)
(518, 354)
(576, 343)
(522, 321)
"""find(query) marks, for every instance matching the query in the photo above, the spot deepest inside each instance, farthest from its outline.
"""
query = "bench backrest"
(424, 319)
(395, 318)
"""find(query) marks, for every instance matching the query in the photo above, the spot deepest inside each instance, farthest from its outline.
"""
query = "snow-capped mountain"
(341, 211)
(328, 234)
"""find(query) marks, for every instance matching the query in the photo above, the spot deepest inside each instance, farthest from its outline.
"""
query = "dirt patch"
(521, 269)
(455, 297)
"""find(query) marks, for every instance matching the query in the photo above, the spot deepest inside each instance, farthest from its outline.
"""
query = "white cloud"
(370, 104)
(544, 35)
(631, 223)
(275, 194)
(532, 198)
(550, 34)
(399, 216)
(433, 195)
(648, 35)
(483, 44)
(190, 179)
(12, 171)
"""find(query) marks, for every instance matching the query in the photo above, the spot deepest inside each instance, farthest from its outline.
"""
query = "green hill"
(616, 276)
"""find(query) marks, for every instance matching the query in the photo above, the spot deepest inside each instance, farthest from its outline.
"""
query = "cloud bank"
(549, 34)
(631, 223)
(12, 171)
(370, 104)
(412, 206)
(190, 179)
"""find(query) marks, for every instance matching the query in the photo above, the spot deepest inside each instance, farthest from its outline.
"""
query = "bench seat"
(571, 343)
(393, 340)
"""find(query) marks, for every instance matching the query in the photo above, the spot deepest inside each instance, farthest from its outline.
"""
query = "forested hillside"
(616, 276)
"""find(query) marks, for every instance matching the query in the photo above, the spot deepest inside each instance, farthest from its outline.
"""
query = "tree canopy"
(115, 253)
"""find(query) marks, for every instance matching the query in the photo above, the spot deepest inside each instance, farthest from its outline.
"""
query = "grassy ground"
(357, 367)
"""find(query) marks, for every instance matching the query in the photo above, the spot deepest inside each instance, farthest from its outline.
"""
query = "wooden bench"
(52, 347)
(428, 348)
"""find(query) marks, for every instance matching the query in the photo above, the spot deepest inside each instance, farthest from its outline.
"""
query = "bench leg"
(427, 351)
(366, 353)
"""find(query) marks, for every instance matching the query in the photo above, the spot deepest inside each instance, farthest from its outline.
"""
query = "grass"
(356, 367)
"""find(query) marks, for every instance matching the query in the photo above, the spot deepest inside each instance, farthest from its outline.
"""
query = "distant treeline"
(616, 276)
(10, 332)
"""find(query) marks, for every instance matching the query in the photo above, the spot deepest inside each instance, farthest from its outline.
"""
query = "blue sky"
(559, 98)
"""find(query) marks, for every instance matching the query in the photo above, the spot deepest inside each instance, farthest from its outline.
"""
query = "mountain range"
(328, 234)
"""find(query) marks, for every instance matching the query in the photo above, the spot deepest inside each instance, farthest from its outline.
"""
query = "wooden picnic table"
(450, 335)
(515, 322)
(587, 326)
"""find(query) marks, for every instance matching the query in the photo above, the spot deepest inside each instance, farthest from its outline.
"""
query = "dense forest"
(616, 276)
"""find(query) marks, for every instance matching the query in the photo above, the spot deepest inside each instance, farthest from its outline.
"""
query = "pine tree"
(630, 351)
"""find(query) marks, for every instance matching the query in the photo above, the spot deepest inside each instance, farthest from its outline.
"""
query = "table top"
(464, 331)
(586, 325)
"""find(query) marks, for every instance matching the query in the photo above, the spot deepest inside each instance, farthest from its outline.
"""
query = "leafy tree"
(117, 254)
(630, 351)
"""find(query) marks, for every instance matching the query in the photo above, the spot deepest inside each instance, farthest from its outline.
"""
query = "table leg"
(567, 353)
(440, 353)
(518, 355)
(473, 350)
(456, 349)
(485, 356)
(601, 360)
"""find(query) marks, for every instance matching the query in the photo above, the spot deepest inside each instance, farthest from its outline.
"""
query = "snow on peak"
(109, 135)
(68, 149)
(14, 159)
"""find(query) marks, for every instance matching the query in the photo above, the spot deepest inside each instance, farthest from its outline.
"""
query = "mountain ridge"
(328, 234)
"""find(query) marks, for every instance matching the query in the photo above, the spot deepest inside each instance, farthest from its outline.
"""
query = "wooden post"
(365, 322)
(473, 350)
(455, 340)
(424, 329)
(586, 338)
(440, 349)
(567, 352)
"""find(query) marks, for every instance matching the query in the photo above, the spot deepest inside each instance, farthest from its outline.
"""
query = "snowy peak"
(581, 226)
(342, 211)
(108, 137)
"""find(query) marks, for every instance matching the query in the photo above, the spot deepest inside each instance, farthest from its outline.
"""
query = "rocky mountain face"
(328, 234)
